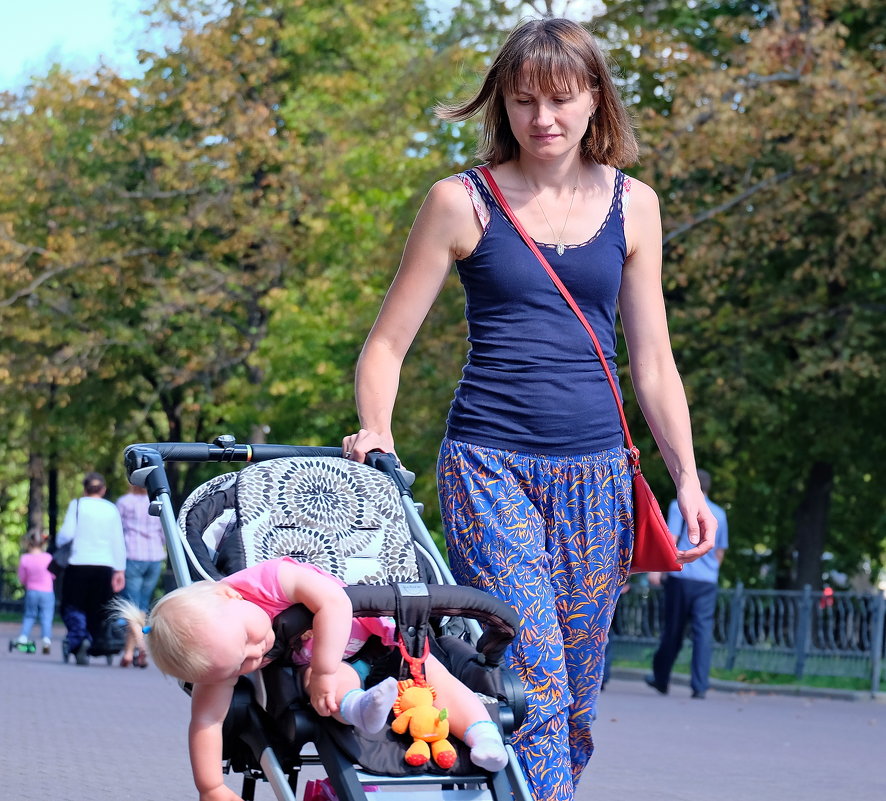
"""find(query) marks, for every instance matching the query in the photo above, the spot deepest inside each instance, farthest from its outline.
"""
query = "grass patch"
(16, 617)
(753, 677)
(760, 677)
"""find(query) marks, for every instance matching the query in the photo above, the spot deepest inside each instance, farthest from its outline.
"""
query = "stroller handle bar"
(144, 456)
(224, 450)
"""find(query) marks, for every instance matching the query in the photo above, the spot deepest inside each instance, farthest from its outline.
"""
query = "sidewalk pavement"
(103, 733)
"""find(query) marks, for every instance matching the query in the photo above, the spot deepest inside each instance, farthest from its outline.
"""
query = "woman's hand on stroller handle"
(357, 447)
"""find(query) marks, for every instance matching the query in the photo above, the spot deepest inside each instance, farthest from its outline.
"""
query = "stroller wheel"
(82, 654)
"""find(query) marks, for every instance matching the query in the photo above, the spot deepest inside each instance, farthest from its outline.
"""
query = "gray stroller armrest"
(501, 623)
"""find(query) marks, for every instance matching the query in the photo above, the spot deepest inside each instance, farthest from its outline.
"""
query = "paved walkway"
(71, 733)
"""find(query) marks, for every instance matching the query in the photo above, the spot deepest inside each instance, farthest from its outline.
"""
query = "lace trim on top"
(625, 196)
(481, 198)
(480, 207)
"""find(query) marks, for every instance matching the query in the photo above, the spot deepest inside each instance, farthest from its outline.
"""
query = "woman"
(96, 568)
(535, 489)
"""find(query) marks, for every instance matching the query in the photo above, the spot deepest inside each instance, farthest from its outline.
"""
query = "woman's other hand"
(701, 525)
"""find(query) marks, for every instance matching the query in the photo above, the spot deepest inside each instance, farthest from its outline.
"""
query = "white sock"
(368, 710)
(487, 749)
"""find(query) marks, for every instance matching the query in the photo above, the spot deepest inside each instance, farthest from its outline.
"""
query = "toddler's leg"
(468, 718)
(487, 749)
(368, 710)
(30, 615)
(47, 612)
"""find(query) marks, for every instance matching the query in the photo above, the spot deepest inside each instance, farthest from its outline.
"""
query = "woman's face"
(237, 639)
(549, 125)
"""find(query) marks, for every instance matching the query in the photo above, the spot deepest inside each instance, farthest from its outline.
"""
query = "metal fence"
(795, 632)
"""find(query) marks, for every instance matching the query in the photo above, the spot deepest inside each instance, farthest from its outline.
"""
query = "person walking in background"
(33, 573)
(96, 568)
(535, 483)
(145, 558)
(642, 582)
(690, 595)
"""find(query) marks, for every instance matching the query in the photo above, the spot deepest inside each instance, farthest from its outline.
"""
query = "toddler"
(33, 573)
(210, 633)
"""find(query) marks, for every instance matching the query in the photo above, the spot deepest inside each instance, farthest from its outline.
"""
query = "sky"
(75, 33)
(34, 34)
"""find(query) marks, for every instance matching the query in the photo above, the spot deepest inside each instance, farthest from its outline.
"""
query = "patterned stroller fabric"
(330, 512)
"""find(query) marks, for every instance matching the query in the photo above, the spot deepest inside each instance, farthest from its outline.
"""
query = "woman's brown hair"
(552, 55)
(93, 483)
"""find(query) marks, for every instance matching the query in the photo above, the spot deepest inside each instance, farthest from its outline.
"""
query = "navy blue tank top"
(533, 382)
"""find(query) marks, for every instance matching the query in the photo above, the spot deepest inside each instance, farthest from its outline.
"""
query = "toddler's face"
(237, 640)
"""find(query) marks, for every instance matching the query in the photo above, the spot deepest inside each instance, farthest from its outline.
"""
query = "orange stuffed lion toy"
(415, 711)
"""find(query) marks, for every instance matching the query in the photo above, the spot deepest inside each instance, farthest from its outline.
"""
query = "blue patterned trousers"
(551, 536)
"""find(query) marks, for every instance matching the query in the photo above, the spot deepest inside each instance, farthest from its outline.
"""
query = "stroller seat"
(357, 522)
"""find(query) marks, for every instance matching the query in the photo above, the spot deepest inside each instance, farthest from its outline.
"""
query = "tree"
(202, 249)
(144, 221)
(362, 88)
(773, 274)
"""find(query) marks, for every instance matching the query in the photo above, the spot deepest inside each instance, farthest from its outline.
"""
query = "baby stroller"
(108, 642)
(360, 523)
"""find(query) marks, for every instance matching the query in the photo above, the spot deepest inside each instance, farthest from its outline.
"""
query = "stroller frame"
(260, 754)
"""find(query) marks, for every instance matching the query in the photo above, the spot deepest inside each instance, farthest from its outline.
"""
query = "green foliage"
(202, 249)
(773, 272)
(374, 150)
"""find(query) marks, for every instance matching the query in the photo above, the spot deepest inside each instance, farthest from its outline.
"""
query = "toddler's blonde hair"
(170, 628)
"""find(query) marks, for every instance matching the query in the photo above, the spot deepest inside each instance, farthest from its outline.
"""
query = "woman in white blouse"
(96, 568)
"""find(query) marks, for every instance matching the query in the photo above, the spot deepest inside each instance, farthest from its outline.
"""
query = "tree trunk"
(52, 500)
(783, 566)
(175, 471)
(812, 525)
(36, 487)
(258, 434)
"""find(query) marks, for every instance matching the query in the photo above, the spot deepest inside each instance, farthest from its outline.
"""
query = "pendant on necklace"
(560, 248)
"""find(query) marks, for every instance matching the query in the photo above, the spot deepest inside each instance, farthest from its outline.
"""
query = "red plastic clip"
(416, 664)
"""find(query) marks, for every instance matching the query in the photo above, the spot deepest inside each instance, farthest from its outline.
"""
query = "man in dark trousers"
(690, 595)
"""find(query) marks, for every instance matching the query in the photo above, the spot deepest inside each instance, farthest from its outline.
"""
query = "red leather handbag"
(655, 550)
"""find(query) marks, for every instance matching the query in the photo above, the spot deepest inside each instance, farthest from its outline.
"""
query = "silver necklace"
(561, 248)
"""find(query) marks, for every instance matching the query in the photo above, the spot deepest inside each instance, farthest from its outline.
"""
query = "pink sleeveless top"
(260, 585)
